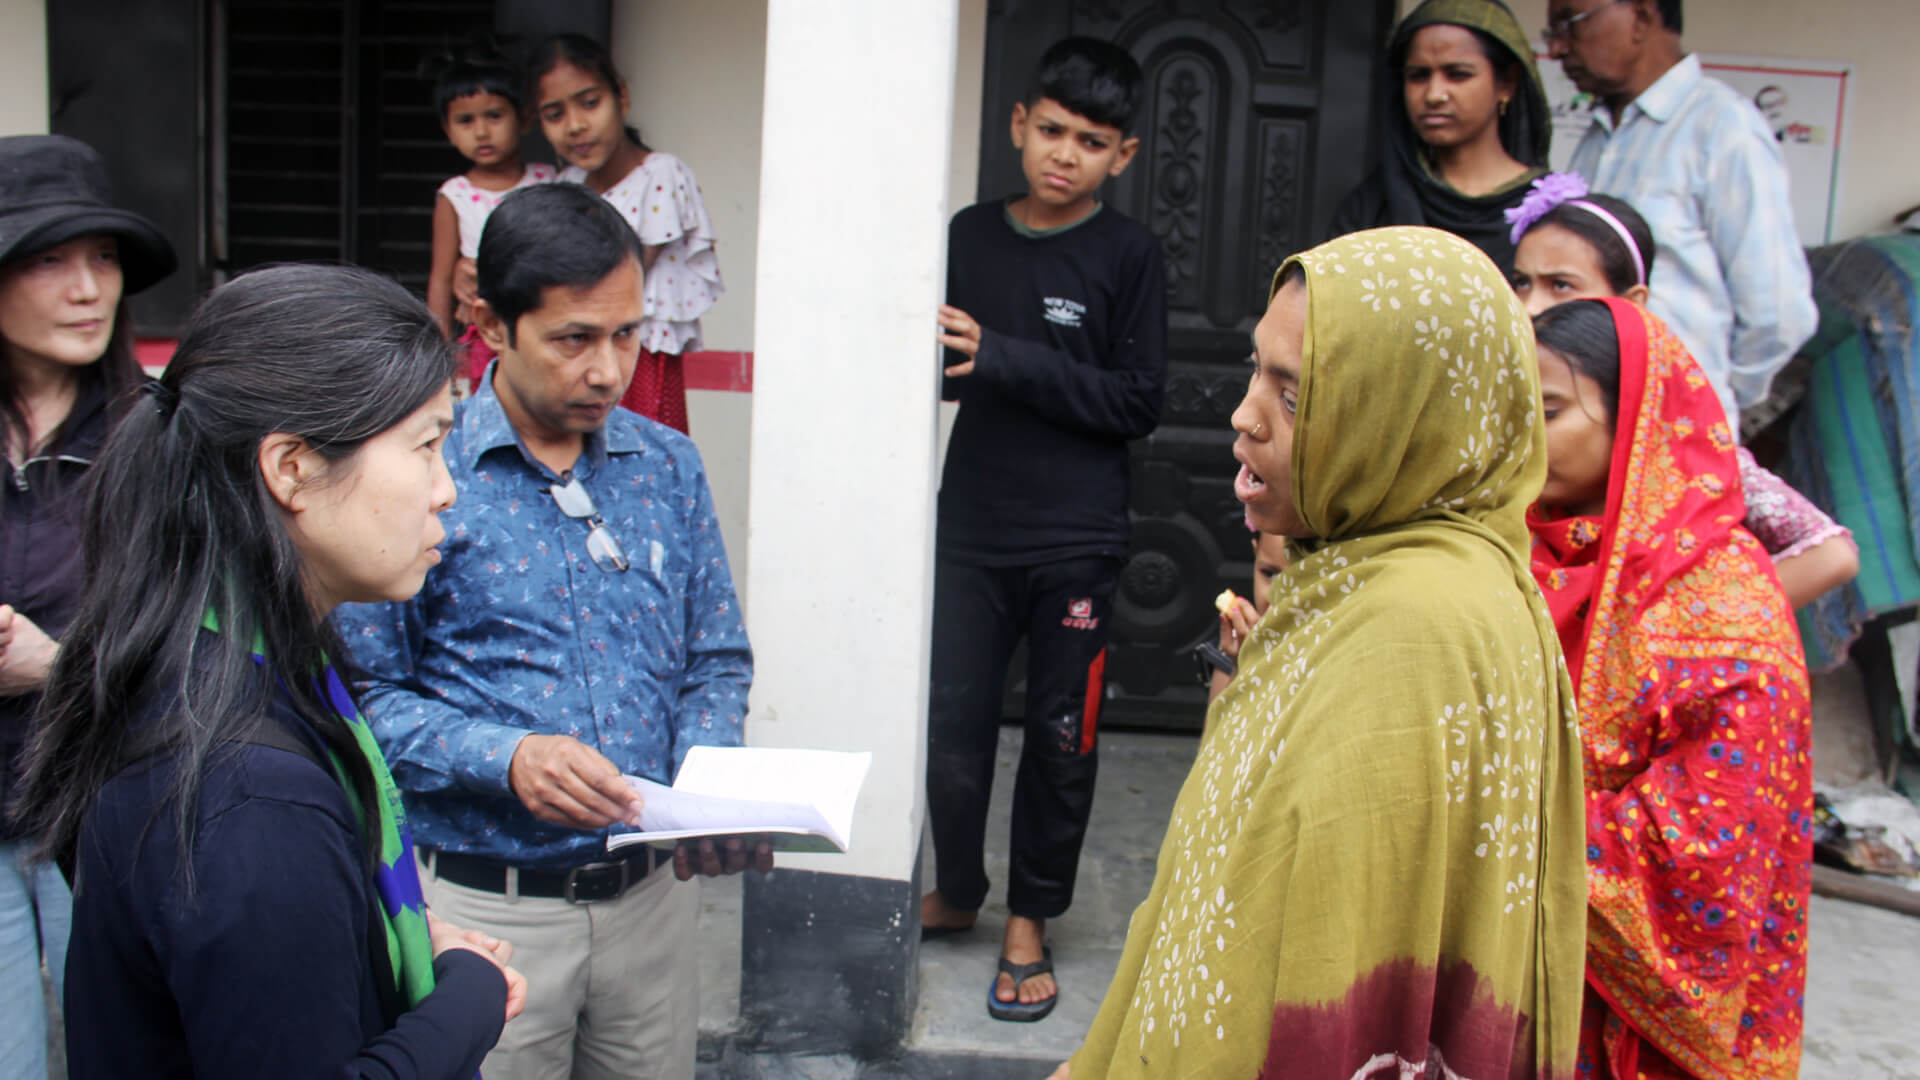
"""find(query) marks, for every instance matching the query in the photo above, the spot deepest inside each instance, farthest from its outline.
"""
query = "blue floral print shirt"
(518, 632)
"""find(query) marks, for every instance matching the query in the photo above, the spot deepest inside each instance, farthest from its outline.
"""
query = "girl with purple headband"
(1571, 244)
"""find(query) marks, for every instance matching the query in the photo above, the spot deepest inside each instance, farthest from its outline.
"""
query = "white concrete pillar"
(852, 251)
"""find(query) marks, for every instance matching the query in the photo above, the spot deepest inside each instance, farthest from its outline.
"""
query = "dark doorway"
(331, 150)
(1258, 119)
(130, 81)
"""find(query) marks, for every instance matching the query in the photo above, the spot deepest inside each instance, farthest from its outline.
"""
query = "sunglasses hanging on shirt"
(604, 547)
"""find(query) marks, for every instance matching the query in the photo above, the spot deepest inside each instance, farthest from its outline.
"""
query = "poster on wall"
(1804, 103)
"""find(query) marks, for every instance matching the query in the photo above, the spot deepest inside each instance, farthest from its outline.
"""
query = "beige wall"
(968, 87)
(23, 67)
(970, 70)
(696, 72)
(1880, 158)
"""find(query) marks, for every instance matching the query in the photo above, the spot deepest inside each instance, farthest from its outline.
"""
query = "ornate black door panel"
(1255, 122)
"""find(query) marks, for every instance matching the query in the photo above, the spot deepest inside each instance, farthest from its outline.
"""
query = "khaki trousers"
(613, 988)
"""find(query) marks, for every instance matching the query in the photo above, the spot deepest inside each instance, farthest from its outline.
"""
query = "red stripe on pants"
(1096, 686)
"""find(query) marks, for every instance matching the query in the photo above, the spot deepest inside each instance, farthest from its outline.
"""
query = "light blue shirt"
(517, 632)
(1696, 159)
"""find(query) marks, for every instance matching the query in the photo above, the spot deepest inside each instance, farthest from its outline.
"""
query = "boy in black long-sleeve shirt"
(1056, 350)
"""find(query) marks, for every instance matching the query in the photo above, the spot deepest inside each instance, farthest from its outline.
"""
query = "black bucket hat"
(53, 189)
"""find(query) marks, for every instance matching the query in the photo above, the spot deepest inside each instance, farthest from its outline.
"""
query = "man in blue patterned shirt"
(581, 625)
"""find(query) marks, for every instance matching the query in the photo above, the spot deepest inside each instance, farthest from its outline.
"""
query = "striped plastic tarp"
(1855, 446)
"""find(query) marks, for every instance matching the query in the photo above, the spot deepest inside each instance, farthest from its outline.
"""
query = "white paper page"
(827, 779)
(745, 790)
(681, 813)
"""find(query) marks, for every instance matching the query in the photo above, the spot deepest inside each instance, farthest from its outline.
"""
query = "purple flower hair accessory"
(1548, 192)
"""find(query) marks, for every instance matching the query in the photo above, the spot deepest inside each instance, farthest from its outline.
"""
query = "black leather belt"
(580, 885)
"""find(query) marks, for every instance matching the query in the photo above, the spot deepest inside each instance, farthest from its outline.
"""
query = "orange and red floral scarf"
(1694, 718)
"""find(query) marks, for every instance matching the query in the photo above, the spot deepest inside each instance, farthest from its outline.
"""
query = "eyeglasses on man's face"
(604, 547)
(1562, 30)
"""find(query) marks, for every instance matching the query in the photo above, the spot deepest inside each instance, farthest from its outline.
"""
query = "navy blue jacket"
(265, 970)
(40, 568)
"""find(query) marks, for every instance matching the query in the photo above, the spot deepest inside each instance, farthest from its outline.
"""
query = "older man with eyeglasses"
(1698, 161)
(582, 624)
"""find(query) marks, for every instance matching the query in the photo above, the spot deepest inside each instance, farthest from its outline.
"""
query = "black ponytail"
(180, 522)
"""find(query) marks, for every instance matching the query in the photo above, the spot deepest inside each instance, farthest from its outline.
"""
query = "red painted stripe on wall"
(153, 353)
(725, 371)
(718, 371)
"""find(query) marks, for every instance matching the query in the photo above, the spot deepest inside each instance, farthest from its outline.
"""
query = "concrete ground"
(1863, 994)
(1863, 985)
(1140, 776)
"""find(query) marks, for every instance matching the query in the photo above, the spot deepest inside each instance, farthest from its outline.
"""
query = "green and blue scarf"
(396, 876)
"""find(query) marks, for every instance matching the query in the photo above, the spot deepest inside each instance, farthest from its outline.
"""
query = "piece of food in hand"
(1225, 601)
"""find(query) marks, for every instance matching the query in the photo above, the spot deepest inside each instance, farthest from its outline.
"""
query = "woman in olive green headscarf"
(1466, 127)
(1376, 866)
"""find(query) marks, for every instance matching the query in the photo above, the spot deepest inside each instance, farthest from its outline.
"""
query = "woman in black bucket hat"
(68, 260)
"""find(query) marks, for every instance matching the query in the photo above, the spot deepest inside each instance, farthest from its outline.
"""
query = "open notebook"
(800, 800)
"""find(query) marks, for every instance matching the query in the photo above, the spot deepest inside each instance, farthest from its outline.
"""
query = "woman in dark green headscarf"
(1467, 127)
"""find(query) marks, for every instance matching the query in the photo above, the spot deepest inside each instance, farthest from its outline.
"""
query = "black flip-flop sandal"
(1017, 1010)
(929, 933)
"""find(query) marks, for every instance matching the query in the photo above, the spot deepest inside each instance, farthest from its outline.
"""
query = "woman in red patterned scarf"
(1693, 709)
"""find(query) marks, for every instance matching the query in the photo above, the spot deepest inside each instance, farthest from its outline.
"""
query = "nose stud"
(1257, 429)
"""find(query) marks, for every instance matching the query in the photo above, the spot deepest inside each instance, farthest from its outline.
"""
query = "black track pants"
(979, 616)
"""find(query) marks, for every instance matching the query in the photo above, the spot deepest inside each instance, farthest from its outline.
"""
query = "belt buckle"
(570, 890)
